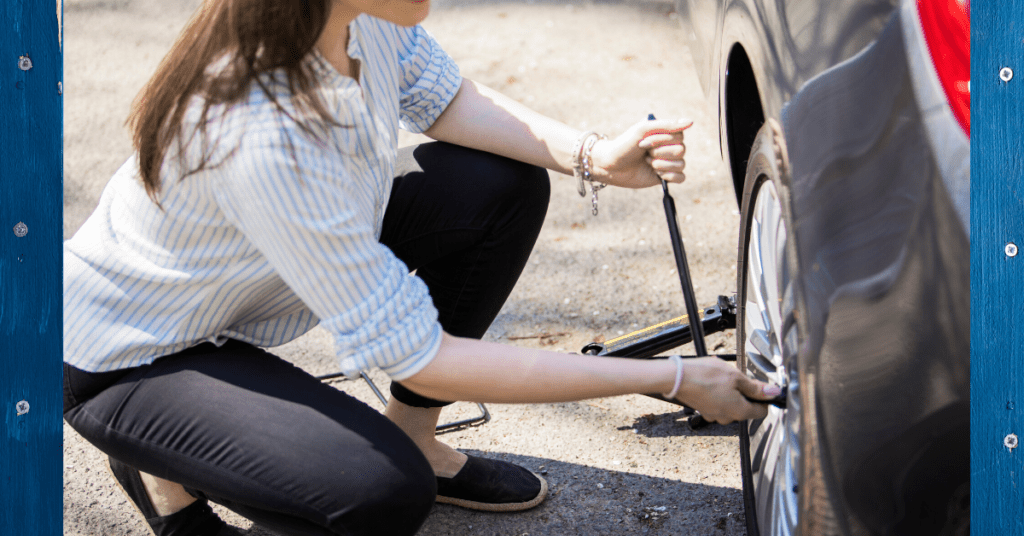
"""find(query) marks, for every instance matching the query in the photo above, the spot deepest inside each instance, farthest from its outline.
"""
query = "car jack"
(646, 343)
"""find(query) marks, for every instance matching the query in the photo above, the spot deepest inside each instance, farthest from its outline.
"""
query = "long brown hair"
(255, 36)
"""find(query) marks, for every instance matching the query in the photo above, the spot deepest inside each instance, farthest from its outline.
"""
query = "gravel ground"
(625, 465)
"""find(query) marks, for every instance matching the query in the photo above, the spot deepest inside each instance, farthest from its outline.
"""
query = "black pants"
(248, 430)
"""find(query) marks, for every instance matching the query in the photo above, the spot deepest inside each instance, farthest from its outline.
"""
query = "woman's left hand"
(642, 155)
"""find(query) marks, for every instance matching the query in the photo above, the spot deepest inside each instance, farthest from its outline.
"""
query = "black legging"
(248, 430)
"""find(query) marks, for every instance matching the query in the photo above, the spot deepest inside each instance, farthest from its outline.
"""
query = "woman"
(266, 196)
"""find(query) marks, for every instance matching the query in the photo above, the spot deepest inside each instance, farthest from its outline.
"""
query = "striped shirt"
(278, 234)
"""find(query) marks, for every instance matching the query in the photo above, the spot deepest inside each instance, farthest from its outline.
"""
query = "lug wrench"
(692, 312)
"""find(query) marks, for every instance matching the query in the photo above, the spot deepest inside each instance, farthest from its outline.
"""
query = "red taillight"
(947, 29)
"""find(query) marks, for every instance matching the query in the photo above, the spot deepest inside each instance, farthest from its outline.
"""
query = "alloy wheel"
(769, 339)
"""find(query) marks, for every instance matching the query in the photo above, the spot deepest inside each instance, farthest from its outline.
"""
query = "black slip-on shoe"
(196, 519)
(492, 486)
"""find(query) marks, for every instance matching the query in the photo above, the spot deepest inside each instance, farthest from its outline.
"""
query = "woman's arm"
(481, 118)
(469, 369)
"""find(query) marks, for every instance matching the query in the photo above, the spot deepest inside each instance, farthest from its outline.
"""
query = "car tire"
(783, 491)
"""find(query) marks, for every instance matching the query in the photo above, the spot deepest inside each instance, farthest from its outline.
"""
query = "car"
(846, 126)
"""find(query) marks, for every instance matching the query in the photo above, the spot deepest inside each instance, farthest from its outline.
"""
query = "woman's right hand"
(716, 389)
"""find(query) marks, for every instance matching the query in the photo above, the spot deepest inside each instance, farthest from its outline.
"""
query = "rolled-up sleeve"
(298, 205)
(430, 79)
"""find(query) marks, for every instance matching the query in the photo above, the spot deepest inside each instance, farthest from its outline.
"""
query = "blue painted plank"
(31, 108)
(997, 278)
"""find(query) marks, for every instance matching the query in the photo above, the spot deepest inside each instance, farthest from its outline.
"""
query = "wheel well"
(744, 114)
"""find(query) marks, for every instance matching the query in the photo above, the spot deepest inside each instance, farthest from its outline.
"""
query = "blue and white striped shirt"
(273, 238)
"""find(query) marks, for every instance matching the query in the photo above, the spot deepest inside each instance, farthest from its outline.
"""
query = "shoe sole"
(500, 507)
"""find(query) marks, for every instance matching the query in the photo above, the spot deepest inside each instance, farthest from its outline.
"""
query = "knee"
(524, 189)
(526, 182)
(396, 500)
(534, 188)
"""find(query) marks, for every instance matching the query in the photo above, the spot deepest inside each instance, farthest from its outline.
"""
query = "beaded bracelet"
(587, 163)
(577, 155)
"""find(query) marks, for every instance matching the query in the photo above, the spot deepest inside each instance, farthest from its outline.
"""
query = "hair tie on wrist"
(679, 377)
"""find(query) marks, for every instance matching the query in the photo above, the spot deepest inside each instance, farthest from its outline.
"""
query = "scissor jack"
(646, 343)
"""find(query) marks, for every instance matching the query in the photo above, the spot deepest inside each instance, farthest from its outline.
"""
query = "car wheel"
(768, 338)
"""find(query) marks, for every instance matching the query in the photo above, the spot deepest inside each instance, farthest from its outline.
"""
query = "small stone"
(600, 485)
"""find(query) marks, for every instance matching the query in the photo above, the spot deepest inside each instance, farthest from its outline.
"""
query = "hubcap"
(770, 343)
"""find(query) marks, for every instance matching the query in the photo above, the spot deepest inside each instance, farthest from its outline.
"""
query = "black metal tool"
(650, 341)
(692, 311)
(696, 330)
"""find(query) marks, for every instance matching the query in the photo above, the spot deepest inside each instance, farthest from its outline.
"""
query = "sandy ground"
(626, 465)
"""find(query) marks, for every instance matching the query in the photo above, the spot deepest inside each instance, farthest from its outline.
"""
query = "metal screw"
(60, 88)
(1005, 74)
(20, 229)
(1010, 441)
(1010, 249)
(22, 407)
(24, 63)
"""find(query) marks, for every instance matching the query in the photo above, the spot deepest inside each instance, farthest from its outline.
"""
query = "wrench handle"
(692, 312)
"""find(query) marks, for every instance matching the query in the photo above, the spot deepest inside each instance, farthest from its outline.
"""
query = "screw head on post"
(1010, 249)
(24, 63)
(1006, 74)
(22, 407)
(1010, 441)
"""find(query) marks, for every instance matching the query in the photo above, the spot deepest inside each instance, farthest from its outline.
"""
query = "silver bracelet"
(588, 169)
(679, 378)
(577, 154)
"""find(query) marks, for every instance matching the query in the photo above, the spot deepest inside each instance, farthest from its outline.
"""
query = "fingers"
(668, 151)
(663, 127)
(665, 148)
(758, 390)
(658, 133)
(669, 170)
(754, 412)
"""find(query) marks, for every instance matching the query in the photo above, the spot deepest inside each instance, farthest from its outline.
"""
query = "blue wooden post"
(997, 267)
(31, 115)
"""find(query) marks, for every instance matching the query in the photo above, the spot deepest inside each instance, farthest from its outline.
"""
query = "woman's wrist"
(599, 169)
(677, 379)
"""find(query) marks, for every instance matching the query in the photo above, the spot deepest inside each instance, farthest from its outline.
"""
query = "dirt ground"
(625, 465)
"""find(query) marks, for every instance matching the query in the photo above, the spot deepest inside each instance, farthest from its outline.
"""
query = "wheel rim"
(770, 341)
